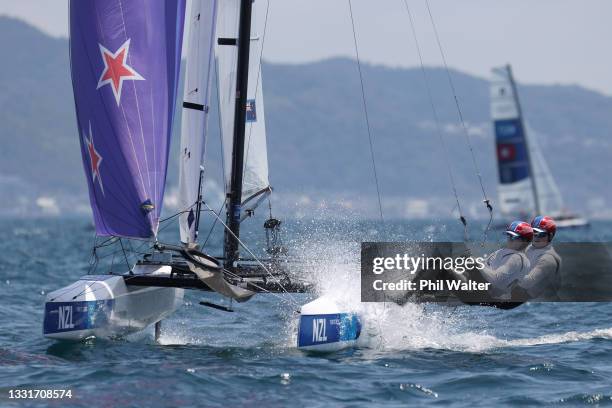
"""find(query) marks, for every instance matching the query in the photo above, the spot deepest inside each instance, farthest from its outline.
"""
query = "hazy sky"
(547, 41)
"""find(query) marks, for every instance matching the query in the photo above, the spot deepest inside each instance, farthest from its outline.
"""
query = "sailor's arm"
(472, 274)
(502, 277)
(538, 279)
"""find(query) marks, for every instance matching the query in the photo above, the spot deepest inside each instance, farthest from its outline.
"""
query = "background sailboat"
(526, 185)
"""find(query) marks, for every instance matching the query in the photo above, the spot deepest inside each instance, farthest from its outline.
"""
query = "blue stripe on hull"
(325, 329)
(61, 317)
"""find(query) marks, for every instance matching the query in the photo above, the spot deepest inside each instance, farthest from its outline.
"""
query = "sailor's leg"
(462, 277)
(476, 276)
(157, 331)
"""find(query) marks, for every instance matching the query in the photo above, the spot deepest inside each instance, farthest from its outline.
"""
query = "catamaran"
(125, 63)
(526, 186)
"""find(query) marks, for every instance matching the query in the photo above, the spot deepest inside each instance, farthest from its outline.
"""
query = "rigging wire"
(214, 223)
(486, 200)
(123, 250)
(163, 220)
(365, 109)
(127, 278)
(292, 301)
(250, 252)
(437, 123)
(112, 262)
(127, 262)
(95, 265)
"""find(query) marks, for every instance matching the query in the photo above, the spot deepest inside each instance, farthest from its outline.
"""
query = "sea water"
(537, 354)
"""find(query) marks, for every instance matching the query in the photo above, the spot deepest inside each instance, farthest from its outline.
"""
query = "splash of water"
(335, 271)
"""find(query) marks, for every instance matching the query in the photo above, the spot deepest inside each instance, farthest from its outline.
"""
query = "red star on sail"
(94, 159)
(116, 69)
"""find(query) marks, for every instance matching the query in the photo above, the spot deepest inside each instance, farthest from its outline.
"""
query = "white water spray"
(335, 271)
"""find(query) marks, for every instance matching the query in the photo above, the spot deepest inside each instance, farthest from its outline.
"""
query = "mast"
(199, 204)
(534, 188)
(231, 245)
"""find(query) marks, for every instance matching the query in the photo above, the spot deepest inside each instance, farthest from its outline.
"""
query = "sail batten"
(196, 100)
(125, 60)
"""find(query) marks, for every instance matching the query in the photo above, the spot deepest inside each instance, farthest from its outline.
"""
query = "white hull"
(104, 306)
(571, 222)
(324, 328)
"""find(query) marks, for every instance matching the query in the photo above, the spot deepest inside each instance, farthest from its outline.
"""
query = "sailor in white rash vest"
(504, 267)
(543, 280)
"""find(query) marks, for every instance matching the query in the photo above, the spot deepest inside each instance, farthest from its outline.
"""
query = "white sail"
(228, 18)
(515, 187)
(255, 176)
(549, 196)
(526, 185)
(198, 76)
(517, 171)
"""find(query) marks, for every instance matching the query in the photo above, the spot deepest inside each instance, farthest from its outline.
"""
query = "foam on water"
(175, 337)
(389, 326)
(538, 354)
(568, 337)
